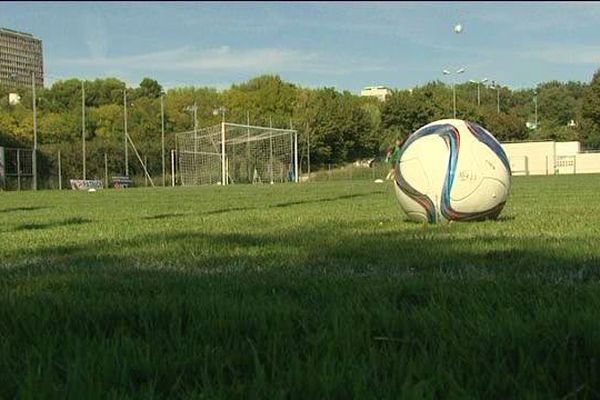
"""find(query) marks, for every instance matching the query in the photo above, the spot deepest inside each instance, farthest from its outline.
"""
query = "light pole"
(484, 80)
(83, 126)
(221, 110)
(194, 109)
(162, 134)
(224, 174)
(446, 72)
(536, 108)
(13, 76)
(125, 131)
(34, 158)
(497, 87)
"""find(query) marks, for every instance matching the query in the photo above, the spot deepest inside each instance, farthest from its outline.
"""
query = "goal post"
(231, 153)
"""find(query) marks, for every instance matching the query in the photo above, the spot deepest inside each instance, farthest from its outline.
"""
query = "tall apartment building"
(20, 56)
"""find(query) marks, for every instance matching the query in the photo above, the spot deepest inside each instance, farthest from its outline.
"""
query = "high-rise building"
(20, 57)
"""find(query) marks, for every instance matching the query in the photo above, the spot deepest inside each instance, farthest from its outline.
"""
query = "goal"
(233, 153)
(519, 165)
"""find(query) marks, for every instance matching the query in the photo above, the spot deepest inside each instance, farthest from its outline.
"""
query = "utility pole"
(271, 149)
(446, 72)
(478, 89)
(162, 135)
(195, 119)
(83, 125)
(498, 97)
(497, 87)
(34, 158)
(125, 125)
(308, 149)
(536, 108)
(195, 110)
(248, 163)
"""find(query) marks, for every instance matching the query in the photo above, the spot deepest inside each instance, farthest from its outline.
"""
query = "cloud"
(225, 58)
(95, 35)
(566, 54)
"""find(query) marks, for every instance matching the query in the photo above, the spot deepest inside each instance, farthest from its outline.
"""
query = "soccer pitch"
(318, 290)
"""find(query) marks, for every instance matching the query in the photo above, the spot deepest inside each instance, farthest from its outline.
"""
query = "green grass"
(318, 290)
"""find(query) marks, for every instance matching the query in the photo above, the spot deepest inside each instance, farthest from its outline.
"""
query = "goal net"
(233, 153)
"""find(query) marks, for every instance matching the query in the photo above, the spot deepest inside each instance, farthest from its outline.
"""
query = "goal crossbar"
(260, 127)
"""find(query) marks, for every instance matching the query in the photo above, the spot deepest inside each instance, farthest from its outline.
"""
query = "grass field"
(308, 291)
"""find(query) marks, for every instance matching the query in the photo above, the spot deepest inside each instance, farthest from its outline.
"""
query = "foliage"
(338, 126)
(591, 113)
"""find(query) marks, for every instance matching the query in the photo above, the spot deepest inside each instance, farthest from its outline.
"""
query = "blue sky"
(315, 44)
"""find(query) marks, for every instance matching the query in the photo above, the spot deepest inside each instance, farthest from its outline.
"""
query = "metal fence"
(17, 170)
(55, 170)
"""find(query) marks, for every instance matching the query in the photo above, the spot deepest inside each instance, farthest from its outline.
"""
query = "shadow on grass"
(226, 210)
(500, 219)
(213, 212)
(251, 310)
(66, 222)
(344, 197)
(164, 216)
(14, 209)
(416, 249)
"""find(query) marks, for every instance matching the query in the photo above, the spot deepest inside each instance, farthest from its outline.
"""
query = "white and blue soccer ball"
(452, 170)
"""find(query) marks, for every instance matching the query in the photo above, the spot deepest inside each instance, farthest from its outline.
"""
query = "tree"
(266, 97)
(505, 127)
(109, 121)
(591, 114)
(58, 127)
(148, 88)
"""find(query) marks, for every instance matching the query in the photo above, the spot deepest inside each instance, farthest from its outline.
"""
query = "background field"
(317, 290)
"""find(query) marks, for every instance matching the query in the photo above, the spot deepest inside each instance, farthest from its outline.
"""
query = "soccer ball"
(458, 28)
(452, 170)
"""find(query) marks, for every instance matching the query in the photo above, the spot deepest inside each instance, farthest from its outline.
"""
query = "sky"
(346, 45)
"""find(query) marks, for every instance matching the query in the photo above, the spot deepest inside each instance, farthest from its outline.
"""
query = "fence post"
(18, 169)
(59, 173)
(105, 171)
(329, 173)
(173, 168)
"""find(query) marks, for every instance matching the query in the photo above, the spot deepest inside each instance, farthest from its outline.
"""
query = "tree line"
(338, 126)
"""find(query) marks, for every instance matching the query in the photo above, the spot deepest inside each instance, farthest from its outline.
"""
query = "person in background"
(393, 158)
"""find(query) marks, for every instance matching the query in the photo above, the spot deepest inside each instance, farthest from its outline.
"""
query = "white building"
(550, 158)
(376, 91)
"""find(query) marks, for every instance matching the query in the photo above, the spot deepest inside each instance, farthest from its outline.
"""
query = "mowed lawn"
(304, 291)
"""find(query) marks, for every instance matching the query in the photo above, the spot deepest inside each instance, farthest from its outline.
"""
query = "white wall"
(530, 158)
(549, 158)
(567, 148)
(587, 163)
